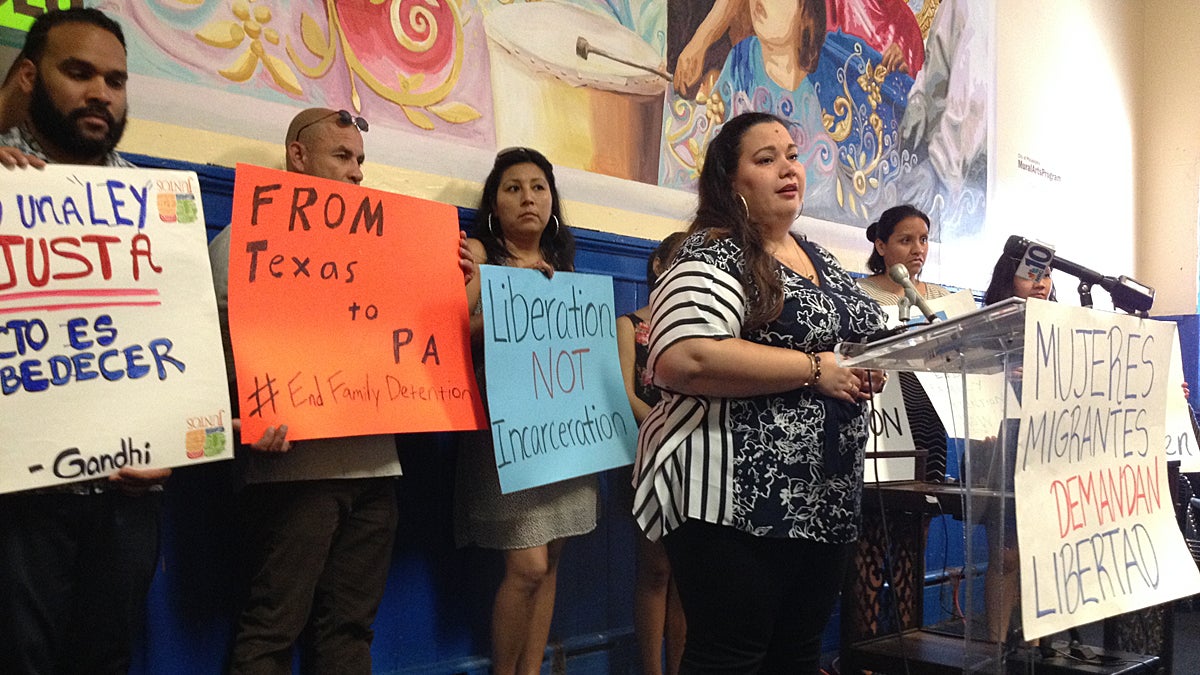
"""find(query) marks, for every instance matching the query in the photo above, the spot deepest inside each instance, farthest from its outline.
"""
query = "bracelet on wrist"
(816, 375)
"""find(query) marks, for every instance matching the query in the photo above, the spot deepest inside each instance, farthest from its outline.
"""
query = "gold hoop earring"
(745, 206)
(555, 219)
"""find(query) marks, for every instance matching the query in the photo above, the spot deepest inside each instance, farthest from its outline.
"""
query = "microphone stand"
(1085, 294)
(904, 307)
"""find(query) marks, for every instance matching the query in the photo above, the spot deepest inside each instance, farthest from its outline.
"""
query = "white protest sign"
(890, 432)
(1180, 439)
(978, 416)
(110, 351)
(1096, 528)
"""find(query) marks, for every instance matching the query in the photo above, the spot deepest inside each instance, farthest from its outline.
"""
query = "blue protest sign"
(556, 401)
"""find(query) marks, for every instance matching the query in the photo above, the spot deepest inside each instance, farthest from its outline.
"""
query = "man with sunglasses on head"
(319, 516)
(76, 561)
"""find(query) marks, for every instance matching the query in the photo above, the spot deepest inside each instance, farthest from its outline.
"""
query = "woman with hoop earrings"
(519, 224)
(750, 466)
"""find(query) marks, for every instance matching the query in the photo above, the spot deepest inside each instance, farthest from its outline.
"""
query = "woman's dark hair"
(557, 242)
(812, 37)
(722, 213)
(882, 229)
(662, 256)
(1002, 286)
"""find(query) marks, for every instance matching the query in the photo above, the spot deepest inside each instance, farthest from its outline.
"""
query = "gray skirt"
(485, 517)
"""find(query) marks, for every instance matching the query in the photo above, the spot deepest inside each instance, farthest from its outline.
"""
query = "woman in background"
(1006, 284)
(1001, 581)
(750, 467)
(657, 612)
(899, 237)
(519, 224)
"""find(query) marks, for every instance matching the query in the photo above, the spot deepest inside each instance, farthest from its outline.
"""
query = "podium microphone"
(899, 274)
(1128, 295)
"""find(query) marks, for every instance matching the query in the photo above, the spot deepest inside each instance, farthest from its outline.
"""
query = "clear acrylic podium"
(986, 342)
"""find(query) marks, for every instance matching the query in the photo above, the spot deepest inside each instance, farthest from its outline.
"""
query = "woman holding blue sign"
(750, 467)
(519, 224)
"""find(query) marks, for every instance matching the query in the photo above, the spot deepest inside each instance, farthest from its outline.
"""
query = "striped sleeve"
(694, 300)
(684, 466)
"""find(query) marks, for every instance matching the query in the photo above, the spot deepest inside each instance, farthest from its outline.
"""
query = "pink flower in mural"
(408, 53)
(418, 42)
(250, 30)
(419, 26)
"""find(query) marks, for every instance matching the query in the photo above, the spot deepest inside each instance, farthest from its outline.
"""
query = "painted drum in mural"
(591, 113)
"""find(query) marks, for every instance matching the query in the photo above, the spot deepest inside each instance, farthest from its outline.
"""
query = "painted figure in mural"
(750, 467)
(899, 237)
(946, 121)
(75, 562)
(318, 516)
(519, 224)
(887, 26)
(859, 153)
(832, 41)
(657, 612)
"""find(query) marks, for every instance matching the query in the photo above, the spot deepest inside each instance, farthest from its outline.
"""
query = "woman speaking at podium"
(750, 467)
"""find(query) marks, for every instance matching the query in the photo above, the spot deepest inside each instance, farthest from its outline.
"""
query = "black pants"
(753, 604)
(318, 553)
(74, 573)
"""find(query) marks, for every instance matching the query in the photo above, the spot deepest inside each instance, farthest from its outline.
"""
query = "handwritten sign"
(110, 351)
(346, 310)
(987, 393)
(1095, 524)
(555, 396)
(1180, 439)
(890, 432)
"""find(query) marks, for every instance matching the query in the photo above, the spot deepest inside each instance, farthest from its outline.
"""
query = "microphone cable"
(889, 571)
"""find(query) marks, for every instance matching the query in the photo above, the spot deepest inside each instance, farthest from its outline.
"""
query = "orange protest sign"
(346, 310)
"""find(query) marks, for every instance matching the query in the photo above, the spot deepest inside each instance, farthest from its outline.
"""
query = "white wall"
(1065, 106)
(1168, 153)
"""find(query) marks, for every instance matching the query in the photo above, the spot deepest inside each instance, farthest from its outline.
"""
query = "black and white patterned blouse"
(760, 464)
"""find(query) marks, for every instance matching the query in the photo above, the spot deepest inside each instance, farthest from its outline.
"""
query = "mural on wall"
(888, 101)
(485, 73)
(581, 81)
(403, 63)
